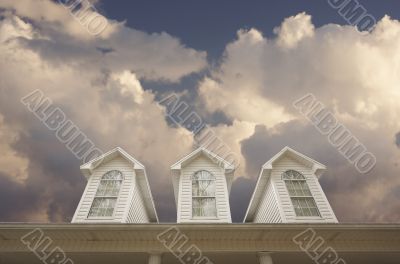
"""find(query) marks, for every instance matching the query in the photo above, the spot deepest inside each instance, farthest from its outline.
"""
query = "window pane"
(298, 211)
(112, 175)
(103, 207)
(106, 194)
(300, 194)
(204, 207)
(203, 193)
(305, 206)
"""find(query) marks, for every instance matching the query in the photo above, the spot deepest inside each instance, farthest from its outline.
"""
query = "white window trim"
(301, 217)
(112, 217)
(216, 217)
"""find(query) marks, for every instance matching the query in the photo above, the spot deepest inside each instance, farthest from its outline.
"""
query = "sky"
(238, 65)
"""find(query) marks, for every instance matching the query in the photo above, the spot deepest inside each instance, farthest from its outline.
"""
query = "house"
(288, 220)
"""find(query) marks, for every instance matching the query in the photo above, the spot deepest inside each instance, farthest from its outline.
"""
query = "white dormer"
(288, 191)
(202, 182)
(117, 191)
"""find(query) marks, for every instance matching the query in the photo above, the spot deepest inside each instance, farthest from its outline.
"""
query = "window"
(106, 196)
(203, 195)
(302, 199)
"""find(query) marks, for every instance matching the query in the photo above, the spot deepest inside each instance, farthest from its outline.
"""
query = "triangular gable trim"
(212, 156)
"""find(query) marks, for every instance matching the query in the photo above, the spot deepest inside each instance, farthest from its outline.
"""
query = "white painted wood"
(268, 209)
(154, 258)
(265, 258)
(131, 206)
(287, 163)
(128, 173)
(184, 190)
(271, 203)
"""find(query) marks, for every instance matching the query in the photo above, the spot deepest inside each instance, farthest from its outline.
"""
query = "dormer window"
(300, 194)
(203, 195)
(107, 194)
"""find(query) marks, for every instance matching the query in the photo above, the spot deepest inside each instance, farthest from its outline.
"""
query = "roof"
(89, 166)
(264, 175)
(202, 150)
(87, 170)
(176, 167)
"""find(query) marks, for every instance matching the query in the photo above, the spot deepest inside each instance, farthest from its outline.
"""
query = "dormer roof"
(88, 168)
(202, 150)
(228, 167)
(265, 173)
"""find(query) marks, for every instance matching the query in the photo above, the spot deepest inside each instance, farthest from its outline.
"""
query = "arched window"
(302, 199)
(107, 194)
(203, 195)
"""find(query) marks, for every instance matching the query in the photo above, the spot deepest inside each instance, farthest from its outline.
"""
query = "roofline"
(91, 238)
(227, 165)
(189, 226)
(268, 164)
(88, 165)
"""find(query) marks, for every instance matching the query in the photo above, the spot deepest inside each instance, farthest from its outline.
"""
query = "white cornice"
(208, 237)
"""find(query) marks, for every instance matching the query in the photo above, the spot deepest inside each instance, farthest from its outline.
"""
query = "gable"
(135, 180)
(271, 173)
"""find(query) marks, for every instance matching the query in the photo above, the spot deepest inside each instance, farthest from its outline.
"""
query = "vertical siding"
(287, 163)
(86, 201)
(268, 210)
(185, 191)
(137, 210)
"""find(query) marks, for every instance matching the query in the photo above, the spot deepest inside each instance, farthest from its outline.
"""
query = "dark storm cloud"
(241, 192)
(398, 139)
(18, 200)
(53, 185)
(53, 174)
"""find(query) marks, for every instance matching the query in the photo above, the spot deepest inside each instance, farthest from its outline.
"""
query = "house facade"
(288, 220)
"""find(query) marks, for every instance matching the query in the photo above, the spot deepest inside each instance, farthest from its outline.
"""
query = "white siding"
(287, 163)
(268, 210)
(137, 211)
(127, 170)
(185, 191)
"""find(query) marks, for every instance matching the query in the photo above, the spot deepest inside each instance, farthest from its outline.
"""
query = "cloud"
(59, 17)
(353, 74)
(98, 83)
(398, 139)
(353, 196)
(294, 29)
(61, 39)
(108, 104)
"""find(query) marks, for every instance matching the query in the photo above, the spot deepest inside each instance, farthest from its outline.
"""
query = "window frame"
(212, 178)
(286, 178)
(116, 197)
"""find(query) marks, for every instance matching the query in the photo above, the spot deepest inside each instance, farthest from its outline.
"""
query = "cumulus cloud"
(108, 104)
(63, 39)
(294, 29)
(59, 16)
(353, 74)
(98, 82)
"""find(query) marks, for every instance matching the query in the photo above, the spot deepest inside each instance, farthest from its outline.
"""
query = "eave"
(208, 237)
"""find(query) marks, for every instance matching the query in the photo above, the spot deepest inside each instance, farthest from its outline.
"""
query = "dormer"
(117, 191)
(202, 182)
(288, 191)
